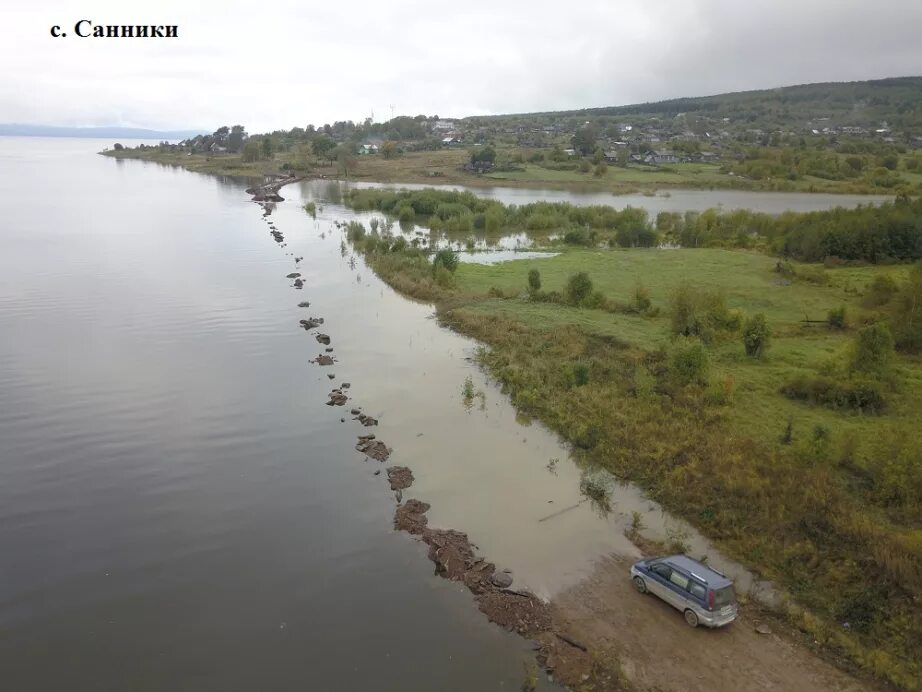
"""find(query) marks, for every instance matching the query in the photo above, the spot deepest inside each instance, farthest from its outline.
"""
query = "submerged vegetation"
(886, 233)
(775, 404)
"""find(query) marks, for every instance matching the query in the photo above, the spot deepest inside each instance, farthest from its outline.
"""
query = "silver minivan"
(702, 594)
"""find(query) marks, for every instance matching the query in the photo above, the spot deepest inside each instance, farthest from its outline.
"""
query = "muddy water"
(511, 486)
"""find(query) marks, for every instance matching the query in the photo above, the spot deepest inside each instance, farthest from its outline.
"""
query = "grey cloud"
(312, 63)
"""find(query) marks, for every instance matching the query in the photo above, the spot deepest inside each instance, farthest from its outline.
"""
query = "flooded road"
(183, 510)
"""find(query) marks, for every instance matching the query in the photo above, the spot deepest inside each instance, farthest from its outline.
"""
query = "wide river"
(180, 510)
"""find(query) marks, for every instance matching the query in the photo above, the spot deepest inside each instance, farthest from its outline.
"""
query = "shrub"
(701, 313)
(865, 396)
(756, 335)
(534, 280)
(443, 277)
(837, 318)
(577, 236)
(872, 350)
(579, 288)
(584, 166)
(446, 258)
(641, 299)
(311, 208)
(580, 374)
(355, 231)
(406, 215)
(880, 291)
(813, 275)
(690, 362)
(907, 314)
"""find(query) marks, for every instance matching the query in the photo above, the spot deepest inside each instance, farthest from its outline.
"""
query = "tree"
(252, 151)
(267, 147)
(872, 350)
(117, 146)
(485, 154)
(389, 149)
(584, 141)
(756, 335)
(690, 362)
(534, 280)
(345, 157)
(579, 288)
(235, 139)
(322, 146)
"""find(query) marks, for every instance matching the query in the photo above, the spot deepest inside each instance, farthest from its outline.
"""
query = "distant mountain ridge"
(24, 130)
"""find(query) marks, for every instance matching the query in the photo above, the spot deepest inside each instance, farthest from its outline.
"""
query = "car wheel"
(691, 618)
(640, 585)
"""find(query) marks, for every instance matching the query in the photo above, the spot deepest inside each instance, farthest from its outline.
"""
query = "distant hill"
(897, 100)
(20, 130)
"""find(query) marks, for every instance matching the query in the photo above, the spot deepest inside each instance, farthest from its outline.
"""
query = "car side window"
(661, 570)
(679, 580)
(697, 590)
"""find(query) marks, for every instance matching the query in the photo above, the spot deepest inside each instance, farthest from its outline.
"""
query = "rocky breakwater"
(269, 192)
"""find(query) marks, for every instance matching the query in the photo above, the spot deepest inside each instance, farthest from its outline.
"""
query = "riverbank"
(445, 167)
(774, 481)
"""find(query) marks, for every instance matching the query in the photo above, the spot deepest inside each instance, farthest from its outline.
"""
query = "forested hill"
(896, 101)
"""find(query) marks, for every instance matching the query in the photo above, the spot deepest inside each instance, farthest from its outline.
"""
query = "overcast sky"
(283, 63)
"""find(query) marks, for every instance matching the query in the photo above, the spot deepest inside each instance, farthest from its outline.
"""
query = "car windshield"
(724, 596)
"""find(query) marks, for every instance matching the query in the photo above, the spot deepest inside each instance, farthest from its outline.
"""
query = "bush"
(579, 288)
(813, 275)
(690, 362)
(443, 277)
(534, 280)
(907, 314)
(837, 318)
(447, 258)
(756, 335)
(880, 291)
(580, 374)
(862, 396)
(701, 313)
(584, 166)
(872, 350)
(406, 215)
(641, 299)
(355, 231)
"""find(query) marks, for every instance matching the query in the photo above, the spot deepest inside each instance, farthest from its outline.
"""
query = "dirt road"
(659, 651)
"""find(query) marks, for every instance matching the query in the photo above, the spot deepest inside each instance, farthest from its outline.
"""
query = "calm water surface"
(180, 510)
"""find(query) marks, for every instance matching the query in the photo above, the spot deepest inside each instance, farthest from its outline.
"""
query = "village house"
(657, 158)
(366, 149)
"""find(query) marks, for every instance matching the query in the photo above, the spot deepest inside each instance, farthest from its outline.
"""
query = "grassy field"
(748, 282)
(818, 500)
(444, 167)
